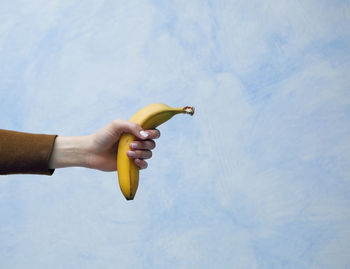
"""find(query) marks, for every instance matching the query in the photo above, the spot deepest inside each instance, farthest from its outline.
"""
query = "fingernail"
(133, 145)
(130, 153)
(144, 134)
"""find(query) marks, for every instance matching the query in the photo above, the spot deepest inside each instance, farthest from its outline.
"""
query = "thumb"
(132, 128)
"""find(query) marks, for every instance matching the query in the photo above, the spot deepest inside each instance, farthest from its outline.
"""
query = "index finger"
(153, 133)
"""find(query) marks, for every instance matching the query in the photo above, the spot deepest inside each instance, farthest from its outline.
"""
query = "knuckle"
(138, 154)
(131, 125)
(117, 121)
(134, 124)
(146, 154)
(152, 144)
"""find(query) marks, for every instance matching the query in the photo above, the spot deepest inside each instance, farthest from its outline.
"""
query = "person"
(29, 153)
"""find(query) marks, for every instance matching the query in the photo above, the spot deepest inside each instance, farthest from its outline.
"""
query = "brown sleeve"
(25, 153)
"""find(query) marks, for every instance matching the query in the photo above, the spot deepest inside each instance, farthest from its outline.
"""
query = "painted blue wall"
(258, 178)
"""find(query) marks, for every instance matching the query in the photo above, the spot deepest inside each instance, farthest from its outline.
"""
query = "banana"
(148, 117)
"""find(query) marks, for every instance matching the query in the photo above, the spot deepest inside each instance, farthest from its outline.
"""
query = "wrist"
(69, 151)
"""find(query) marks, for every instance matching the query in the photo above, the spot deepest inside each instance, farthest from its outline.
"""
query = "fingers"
(141, 163)
(150, 134)
(146, 144)
(153, 133)
(139, 154)
(124, 126)
(141, 147)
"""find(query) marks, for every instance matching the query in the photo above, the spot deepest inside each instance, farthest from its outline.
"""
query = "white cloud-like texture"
(258, 178)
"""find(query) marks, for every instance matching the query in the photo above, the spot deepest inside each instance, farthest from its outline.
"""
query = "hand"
(104, 147)
(99, 150)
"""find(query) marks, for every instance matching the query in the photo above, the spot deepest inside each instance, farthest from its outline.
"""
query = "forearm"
(69, 151)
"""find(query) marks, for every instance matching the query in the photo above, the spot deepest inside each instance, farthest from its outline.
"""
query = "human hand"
(99, 150)
(104, 146)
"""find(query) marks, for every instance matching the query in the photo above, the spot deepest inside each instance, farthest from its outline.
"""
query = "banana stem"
(188, 110)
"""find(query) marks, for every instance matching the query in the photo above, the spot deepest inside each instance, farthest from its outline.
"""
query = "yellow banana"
(148, 117)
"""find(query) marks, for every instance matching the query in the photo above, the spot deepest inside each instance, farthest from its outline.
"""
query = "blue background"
(259, 177)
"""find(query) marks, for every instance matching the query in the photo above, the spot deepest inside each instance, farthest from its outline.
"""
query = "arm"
(69, 151)
(99, 150)
(27, 153)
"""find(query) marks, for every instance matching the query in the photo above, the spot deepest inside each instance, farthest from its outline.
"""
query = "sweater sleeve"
(25, 153)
